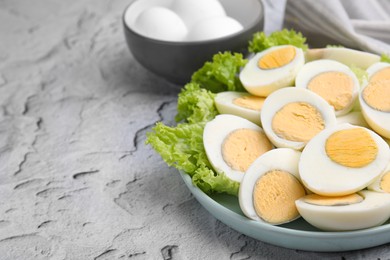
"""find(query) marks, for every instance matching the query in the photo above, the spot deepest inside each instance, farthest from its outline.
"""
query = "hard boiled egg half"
(382, 183)
(375, 98)
(360, 210)
(270, 187)
(349, 57)
(333, 81)
(292, 116)
(232, 143)
(342, 160)
(240, 104)
(272, 69)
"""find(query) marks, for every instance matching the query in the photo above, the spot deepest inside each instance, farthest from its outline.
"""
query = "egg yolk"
(241, 147)
(383, 74)
(250, 102)
(385, 182)
(335, 87)
(274, 196)
(277, 58)
(377, 95)
(353, 148)
(297, 121)
(319, 200)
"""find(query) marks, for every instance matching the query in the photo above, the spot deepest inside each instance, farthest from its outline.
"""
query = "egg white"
(314, 68)
(373, 211)
(349, 57)
(262, 82)
(376, 185)
(323, 176)
(283, 159)
(282, 97)
(353, 118)
(224, 103)
(214, 135)
(379, 121)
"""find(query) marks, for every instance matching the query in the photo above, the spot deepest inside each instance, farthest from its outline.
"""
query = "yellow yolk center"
(319, 200)
(243, 146)
(277, 58)
(385, 182)
(297, 122)
(335, 87)
(383, 74)
(250, 102)
(353, 148)
(274, 196)
(377, 95)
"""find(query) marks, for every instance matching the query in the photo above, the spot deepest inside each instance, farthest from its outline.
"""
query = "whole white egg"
(194, 11)
(160, 23)
(342, 160)
(271, 186)
(292, 116)
(272, 69)
(375, 99)
(240, 104)
(333, 81)
(213, 27)
(372, 209)
(232, 143)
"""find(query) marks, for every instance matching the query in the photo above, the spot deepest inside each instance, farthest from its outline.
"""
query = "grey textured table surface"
(76, 180)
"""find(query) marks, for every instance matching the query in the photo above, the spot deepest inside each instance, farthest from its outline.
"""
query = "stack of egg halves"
(308, 138)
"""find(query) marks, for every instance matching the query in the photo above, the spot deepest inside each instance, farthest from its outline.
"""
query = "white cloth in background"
(359, 24)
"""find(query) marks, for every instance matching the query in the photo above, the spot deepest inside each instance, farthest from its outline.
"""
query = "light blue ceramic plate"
(295, 235)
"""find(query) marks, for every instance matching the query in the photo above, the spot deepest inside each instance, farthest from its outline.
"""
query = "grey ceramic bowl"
(177, 61)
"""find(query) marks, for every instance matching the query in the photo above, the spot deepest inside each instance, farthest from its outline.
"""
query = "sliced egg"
(240, 104)
(333, 81)
(382, 183)
(232, 143)
(271, 186)
(346, 56)
(194, 11)
(375, 98)
(342, 160)
(214, 27)
(272, 69)
(353, 118)
(292, 116)
(360, 210)
(161, 23)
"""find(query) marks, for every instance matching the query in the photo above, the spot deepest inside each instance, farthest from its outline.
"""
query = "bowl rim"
(259, 19)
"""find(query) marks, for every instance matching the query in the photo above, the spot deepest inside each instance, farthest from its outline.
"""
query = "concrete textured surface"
(76, 180)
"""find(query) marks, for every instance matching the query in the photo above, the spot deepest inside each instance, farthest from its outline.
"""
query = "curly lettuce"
(221, 74)
(195, 104)
(261, 41)
(182, 146)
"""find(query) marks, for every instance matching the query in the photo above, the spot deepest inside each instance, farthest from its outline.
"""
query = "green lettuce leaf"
(221, 74)
(182, 146)
(360, 73)
(195, 104)
(260, 41)
(208, 181)
(385, 58)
